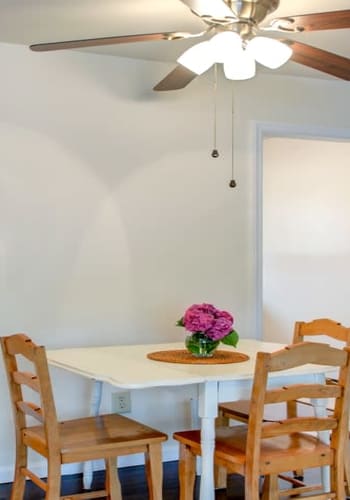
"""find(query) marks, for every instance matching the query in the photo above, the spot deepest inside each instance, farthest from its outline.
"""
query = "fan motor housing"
(253, 10)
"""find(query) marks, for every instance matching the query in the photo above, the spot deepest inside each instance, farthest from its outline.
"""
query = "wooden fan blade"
(212, 8)
(339, 19)
(177, 79)
(110, 40)
(319, 59)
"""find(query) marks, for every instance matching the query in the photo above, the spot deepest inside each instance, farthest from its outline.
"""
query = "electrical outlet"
(121, 402)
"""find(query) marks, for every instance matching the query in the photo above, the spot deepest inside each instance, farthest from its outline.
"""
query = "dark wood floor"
(134, 485)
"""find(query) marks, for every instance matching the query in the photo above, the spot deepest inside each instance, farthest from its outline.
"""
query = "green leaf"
(180, 322)
(231, 339)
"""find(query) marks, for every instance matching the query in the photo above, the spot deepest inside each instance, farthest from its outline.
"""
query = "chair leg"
(220, 473)
(187, 472)
(53, 479)
(19, 481)
(220, 477)
(154, 471)
(270, 488)
(347, 469)
(113, 487)
(337, 479)
(292, 411)
(252, 486)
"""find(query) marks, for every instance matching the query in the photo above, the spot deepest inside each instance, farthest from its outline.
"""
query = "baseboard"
(170, 453)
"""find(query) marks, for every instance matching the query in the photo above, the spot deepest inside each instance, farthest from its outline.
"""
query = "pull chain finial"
(232, 182)
(215, 152)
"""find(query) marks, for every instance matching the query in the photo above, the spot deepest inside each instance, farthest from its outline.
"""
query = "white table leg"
(208, 411)
(96, 396)
(321, 411)
(195, 420)
(195, 424)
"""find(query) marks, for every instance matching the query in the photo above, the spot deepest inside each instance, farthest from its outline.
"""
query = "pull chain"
(232, 182)
(215, 152)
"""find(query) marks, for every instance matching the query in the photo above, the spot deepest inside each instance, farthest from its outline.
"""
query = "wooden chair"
(269, 448)
(91, 438)
(239, 410)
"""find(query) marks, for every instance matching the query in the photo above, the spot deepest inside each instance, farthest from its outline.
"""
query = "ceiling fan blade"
(211, 8)
(111, 40)
(319, 59)
(177, 79)
(339, 19)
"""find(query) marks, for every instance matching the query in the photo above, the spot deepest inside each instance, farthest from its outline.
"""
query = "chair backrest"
(290, 357)
(20, 353)
(322, 327)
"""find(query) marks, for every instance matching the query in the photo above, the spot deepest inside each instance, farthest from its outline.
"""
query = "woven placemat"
(185, 357)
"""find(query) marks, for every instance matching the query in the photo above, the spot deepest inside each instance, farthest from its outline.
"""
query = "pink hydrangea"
(221, 327)
(207, 319)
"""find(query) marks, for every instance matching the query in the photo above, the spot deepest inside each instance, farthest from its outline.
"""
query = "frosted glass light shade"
(225, 45)
(198, 58)
(269, 52)
(240, 67)
(239, 62)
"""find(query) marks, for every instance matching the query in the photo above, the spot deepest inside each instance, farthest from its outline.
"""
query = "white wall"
(114, 217)
(306, 233)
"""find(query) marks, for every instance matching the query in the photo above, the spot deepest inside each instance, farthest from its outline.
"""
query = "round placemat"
(185, 357)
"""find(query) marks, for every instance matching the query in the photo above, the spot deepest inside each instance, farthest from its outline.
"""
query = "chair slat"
(322, 326)
(296, 391)
(83, 496)
(298, 424)
(28, 379)
(21, 344)
(326, 496)
(34, 478)
(313, 353)
(32, 410)
(301, 489)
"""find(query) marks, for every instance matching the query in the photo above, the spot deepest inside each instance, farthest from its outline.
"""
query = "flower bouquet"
(208, 327)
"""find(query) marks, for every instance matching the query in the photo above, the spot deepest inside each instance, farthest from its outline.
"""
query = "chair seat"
(230, 447)
(94, 436)
(240, 409)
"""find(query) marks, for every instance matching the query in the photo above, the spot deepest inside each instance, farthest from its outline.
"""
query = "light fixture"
(238, 57)
(268, 51)
(198, 58)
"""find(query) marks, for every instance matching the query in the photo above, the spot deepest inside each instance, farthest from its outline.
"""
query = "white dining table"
(127, 367)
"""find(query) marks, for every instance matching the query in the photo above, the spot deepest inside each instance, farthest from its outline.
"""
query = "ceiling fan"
(233, 30)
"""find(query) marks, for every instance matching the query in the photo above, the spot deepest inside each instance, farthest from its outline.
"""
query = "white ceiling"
(33, 21)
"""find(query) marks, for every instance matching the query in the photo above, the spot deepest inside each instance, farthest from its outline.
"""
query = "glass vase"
(201, 346)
